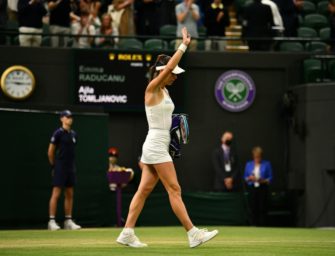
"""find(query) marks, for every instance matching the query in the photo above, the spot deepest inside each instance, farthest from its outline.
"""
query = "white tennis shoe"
(128, 237)
(53, 226)
(201, 236)
(71, 225)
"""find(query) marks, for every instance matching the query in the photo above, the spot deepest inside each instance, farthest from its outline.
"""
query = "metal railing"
(203, 43)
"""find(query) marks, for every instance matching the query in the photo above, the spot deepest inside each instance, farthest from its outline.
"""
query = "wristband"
(182, 47)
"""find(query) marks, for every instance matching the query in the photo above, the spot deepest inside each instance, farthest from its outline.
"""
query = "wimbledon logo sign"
(235, 91)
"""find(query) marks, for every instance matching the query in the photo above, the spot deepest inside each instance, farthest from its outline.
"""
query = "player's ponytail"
(161, 60)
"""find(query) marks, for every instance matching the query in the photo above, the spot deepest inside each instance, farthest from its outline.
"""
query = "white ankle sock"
(128, 230)
(192, 231)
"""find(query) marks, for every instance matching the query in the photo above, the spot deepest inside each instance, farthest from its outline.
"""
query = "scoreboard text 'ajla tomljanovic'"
(116, 80)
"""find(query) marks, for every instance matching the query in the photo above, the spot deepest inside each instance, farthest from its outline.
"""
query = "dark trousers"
(2, 35)
(258, 204)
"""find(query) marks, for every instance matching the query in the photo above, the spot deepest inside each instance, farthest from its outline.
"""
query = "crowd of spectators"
(260, 18)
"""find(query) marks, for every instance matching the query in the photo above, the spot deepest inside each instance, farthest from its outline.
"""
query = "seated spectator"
(93, 8)
(123, 16)
(30, 14)
(187, 14)
(258, 176)
(3, 21)
(106, 29)
(226, 165)
(258, 23)
(83, 30)
(277, 19)
(216, 21)
(331, 8)
(60, 11)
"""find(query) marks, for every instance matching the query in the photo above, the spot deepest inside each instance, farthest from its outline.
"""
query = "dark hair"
(161, 60)
(84, 13)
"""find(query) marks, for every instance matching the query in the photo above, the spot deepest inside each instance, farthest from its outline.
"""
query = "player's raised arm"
(173, 62)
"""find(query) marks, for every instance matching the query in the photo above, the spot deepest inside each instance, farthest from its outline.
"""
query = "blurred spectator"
(147, 18)
(12, 9)
(216, 21)
(258, 23)
(289, 10)
(166, 12)
(115, 15)
(92, 7)
(3, 21)
(60, 11)
(277, 19)
(187, 14)
(123, 15)
(82, 30)
(75, 10)
(331, 8)
(258, 176)
(226, 165)
(106, 29)
(30, 14)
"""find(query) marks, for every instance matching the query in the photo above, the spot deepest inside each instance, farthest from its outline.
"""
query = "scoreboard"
(116, 80)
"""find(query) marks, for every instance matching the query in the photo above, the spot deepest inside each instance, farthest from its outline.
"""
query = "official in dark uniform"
(226, 165)
(61, 154)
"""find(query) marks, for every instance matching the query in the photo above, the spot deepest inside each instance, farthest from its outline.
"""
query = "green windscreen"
(25, 183)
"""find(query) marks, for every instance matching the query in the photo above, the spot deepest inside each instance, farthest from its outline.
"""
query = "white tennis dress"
(155, 149)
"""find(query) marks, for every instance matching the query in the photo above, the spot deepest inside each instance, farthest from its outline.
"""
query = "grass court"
(248, 241)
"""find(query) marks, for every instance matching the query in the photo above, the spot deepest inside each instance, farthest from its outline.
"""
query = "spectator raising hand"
(106, 29)
(83, 30)
(126, 16)
(92, 7)
(60, 11)
(187, 14)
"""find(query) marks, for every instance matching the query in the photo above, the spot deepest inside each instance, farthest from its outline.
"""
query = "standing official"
(258, 176)
(62, 159)
(226, 165)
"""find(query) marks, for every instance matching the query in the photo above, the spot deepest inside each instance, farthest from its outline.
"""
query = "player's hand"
(186, 36)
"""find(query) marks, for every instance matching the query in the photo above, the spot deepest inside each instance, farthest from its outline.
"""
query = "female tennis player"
(156, 161)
